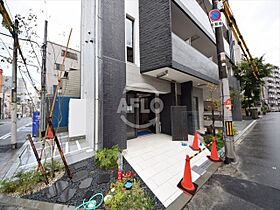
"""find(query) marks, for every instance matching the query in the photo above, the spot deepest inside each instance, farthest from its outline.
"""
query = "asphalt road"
(252, 183)
(24, 126)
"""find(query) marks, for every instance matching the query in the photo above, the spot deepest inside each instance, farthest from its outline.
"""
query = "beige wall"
(72, 85)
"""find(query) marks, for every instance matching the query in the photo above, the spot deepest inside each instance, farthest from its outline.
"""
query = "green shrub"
(219, 139)
(107, 158)
(135, 198)
(24, 182)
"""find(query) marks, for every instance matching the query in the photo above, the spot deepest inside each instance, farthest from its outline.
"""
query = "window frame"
(130, 18)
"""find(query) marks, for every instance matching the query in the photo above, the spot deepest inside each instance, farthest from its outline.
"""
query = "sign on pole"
(228, 104)
(215, 18)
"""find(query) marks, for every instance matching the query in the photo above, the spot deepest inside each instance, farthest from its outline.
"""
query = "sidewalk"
(242, 127)
(23, 158)
(251, 183)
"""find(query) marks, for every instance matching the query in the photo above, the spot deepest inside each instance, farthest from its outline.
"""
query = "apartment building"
(146, 67)
(70, 76)
(271, 90)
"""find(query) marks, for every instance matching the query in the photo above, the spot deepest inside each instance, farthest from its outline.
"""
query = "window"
(73, 69)
(65, 75)
(58, 66)
(129, 39)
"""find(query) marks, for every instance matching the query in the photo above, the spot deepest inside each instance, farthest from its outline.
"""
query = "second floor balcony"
(173, 37)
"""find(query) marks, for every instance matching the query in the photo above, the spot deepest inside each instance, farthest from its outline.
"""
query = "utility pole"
(43, 80)
(14, 88)
(3, 102)
(225, 94)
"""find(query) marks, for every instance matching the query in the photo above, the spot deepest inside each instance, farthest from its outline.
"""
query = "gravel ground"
(85, 183)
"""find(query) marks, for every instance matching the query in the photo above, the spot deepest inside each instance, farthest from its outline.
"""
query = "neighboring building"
(148, 51)
(71, 80)
(71, 73)
(22, 98)
(271, 90)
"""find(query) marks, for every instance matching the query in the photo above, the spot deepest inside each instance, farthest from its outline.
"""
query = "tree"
(214, 105)
(250, 85)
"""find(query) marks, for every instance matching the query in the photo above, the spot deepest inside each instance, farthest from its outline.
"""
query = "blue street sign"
(215, 15)
(35, 123)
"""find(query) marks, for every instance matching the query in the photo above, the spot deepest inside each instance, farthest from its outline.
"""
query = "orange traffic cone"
(214, 153)
(195, 142)
(186, 184)
(50, 134)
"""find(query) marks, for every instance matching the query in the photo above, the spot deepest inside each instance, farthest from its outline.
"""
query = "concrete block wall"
(113, 71)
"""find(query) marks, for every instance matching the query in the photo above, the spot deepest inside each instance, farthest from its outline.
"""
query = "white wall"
(88, 68)
(77, 116)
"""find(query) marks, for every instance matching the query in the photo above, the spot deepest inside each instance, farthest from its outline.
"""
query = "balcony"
(189, 60)
(176, 43)
(193, 11)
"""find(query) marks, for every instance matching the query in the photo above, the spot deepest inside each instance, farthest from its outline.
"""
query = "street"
(252, 183)
(24, 126)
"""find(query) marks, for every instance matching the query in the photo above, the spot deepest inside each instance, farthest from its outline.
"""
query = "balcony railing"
(198, 64)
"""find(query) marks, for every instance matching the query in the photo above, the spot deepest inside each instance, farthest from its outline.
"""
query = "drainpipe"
(98, 124)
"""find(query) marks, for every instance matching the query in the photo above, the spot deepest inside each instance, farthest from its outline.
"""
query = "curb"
(184, 198)
(14, 202)
(244, 132)
(239, 138)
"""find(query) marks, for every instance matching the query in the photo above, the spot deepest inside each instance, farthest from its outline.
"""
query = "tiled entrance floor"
(160, 162)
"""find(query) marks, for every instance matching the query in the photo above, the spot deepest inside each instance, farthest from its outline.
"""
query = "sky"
(62, 15)
(258, 20)
(259, 23)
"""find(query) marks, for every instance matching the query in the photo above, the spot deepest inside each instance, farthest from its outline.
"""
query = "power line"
(22, 39)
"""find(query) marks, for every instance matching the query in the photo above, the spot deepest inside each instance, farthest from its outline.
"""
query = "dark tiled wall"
(186, 100)
(113, 71)
(165, 116)
(155, 34)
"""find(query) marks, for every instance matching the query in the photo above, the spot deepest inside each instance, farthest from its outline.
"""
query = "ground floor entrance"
(141, 118)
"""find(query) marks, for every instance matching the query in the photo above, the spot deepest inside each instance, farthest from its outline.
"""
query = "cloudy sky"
(258, 20)
(259, 23)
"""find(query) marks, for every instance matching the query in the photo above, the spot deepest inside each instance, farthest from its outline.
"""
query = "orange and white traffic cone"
(186, 184)
(195, 146)
(214, 153)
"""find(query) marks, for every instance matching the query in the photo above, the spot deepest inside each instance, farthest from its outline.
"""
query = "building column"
(186, 100)
(157, 119)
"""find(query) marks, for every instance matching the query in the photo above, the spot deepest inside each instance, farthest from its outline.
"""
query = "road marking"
(66, 147)
(5, 136)
(78, 145)
(9, 134)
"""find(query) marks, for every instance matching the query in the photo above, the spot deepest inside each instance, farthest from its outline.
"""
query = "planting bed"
(87, 180)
